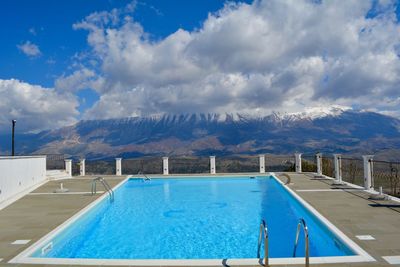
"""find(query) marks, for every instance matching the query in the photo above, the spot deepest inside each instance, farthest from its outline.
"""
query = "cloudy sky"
(62, 61)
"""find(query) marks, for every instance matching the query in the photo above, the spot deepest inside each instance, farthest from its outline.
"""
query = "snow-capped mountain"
(334, 129)
(319, 112)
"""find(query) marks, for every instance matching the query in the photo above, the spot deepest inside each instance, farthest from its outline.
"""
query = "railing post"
(212, 165)
(262, 163)
(118, 166)
(68, 167)
(368, 172)
(165, 166)
(319, 163)
(297, 157)
(82, 167)
(337, 161)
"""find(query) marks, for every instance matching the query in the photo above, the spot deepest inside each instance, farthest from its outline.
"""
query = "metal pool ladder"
(106, 186)
(302, 222)
(146, 178)
(263, 232)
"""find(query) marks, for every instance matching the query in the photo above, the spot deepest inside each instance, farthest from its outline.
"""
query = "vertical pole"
(13, 138)
(337, 161)
(68, 167)
(367, 172)
(319, 163)
(262, 163)
(165, 166)
(82, 167)
(118, 166)
(298, 161)
(212, 165)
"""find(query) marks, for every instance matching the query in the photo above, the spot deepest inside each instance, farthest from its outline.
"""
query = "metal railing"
(328, 166)
(386, 174)
(309, 163)
(100, 167)
(55, 161)
(302, 223)
(107, 187)
(75, 167)
(189, 164)
(237, 164)
(149, 165)
(279, 163)
(263, 233)
(352, 170)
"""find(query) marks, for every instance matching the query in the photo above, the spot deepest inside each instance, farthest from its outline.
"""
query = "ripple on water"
(173, 213)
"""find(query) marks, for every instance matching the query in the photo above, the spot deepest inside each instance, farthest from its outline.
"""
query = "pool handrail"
(289, 180)
(146, 178)
(302, 222)
(263, 231)
(106, 186)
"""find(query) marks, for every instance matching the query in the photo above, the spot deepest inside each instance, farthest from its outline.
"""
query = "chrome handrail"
(146, 178)
(106, 186)
(263, 230)
(289, 180)
(302, 222)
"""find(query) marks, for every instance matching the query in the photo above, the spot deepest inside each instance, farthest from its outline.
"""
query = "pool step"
(57, 174)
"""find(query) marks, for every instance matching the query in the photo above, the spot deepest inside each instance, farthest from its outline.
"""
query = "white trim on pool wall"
(24, 257)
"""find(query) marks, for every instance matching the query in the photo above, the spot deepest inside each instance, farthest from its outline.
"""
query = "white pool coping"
(24, 257)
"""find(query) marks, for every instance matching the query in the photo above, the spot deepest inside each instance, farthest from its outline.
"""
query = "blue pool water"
(202, 218)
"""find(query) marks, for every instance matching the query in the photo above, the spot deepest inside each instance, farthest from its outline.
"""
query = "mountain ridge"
(327, 130)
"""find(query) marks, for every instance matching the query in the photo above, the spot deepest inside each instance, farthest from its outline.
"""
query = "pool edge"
(24, 255)
(24, 258)
(344, 238)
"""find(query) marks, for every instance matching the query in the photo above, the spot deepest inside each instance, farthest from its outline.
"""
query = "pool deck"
(350, 210)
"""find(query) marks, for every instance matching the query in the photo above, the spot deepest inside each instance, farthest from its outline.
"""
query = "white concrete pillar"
(165, 166)
(212, 165)
(319, 163)
(68, 167)
(297, 157)
(118, 166)
(337, 161)
(82, 167)
(368, 172)
(262, 163)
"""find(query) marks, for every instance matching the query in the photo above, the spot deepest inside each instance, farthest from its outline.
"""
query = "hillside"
(335, 130)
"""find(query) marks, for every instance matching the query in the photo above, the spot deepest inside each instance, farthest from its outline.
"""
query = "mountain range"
(330, 130)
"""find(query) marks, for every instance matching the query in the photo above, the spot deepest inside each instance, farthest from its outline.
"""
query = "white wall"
(18, 174)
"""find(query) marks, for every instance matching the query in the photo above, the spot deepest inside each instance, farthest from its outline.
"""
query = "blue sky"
(62, 61)
(48, 24)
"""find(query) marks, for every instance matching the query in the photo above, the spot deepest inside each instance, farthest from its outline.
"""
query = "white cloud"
(29, 49)
(79, 79)
(35, 108)
(32, 31)
(51, 61)
(268, 56)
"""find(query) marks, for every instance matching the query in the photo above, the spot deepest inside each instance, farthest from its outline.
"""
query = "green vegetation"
(327, 166)
(308, 166)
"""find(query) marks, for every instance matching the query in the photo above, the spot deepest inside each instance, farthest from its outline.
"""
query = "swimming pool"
(192, 218)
